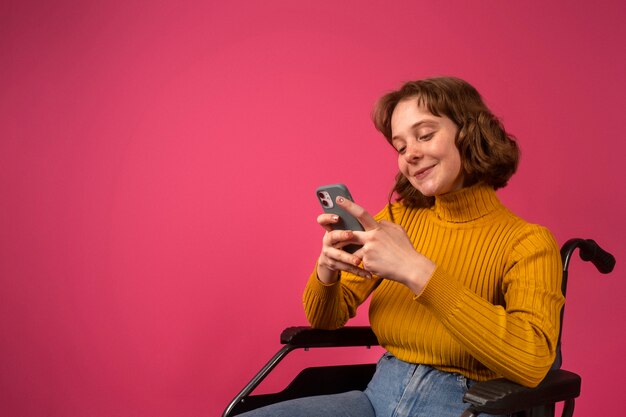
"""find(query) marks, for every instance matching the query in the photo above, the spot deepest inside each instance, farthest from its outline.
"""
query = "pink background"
(158, 161)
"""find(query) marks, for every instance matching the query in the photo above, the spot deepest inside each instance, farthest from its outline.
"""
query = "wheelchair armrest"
(304, 338)
(500, 396)
(307, 337)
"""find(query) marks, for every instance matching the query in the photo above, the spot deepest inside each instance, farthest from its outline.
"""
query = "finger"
(358, 253)
(326, 220)
(345, 262)
(340, 256)
(360, 238)
(338, 238)
(359, 212)
(333, 248)
(361, 272)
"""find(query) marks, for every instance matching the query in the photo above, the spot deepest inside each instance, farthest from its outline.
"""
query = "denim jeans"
(398, 389)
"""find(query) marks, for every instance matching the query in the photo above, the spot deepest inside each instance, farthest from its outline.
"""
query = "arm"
(338, 285)
(330, 306)
(517, 341)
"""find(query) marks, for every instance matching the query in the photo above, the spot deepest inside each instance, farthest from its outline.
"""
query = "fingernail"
(340, 199)
(335, 218)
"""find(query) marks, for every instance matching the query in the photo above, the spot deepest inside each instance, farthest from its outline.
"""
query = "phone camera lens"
(325, 203)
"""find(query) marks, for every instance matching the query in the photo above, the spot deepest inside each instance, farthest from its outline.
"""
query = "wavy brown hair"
(488, 153)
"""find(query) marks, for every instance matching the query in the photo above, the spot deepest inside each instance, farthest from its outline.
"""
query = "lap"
(402, 389)
(398, 389)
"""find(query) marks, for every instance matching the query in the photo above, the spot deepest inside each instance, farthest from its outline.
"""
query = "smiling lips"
(422, 173)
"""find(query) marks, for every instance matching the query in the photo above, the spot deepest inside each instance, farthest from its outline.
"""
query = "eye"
(399, 146)
(427, 137)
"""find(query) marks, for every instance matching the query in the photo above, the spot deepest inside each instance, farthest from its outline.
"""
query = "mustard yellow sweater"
(490, 309)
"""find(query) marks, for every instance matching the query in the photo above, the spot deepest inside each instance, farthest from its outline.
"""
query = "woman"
(462, 289)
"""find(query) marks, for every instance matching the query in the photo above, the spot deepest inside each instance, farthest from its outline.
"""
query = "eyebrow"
(415, 126)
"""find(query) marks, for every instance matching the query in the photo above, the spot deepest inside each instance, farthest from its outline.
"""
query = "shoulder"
(529, 233)
(521, 239)
(533, 241)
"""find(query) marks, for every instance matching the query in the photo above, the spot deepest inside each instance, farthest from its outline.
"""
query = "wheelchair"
(497, 396)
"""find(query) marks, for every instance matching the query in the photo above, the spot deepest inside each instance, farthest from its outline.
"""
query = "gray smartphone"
(327, 196)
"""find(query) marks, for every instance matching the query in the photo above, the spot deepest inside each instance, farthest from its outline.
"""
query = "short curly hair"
(488, 153)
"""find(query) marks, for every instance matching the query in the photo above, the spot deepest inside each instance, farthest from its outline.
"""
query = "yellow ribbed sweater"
(490, 309)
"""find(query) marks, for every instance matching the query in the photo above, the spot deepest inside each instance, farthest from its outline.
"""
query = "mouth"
(421, 173)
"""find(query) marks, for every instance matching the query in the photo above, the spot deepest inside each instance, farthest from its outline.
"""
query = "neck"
(467, 204)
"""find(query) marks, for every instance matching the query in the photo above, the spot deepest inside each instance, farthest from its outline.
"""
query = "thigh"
(440, 394)
(347, 404)
(388, 385)
(401, 389)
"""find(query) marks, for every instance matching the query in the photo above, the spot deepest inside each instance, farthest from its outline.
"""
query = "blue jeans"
(398, 389)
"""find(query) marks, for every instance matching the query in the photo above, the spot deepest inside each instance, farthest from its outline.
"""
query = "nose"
(413, 150)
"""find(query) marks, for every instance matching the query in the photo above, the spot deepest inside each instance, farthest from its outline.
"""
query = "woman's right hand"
(333, 259)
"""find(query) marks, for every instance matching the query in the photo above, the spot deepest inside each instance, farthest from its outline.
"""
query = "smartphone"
(327, 196)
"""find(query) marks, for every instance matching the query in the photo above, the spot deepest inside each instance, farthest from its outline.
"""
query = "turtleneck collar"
(467, 204)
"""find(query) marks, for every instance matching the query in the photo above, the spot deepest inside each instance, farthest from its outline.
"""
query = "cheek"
(453, 156)
(456, 163)
(457, 168)
(402, 165)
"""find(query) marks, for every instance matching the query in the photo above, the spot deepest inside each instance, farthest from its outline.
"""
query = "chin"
(427, 193)
(434, 193)
(425, 190)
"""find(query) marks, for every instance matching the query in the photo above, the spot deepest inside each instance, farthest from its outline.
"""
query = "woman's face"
(427, 154)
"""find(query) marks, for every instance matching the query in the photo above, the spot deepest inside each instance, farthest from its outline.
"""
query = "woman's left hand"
(387, 250)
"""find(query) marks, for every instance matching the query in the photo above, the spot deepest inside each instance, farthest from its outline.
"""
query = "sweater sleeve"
(518, 340)
(331, 306)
